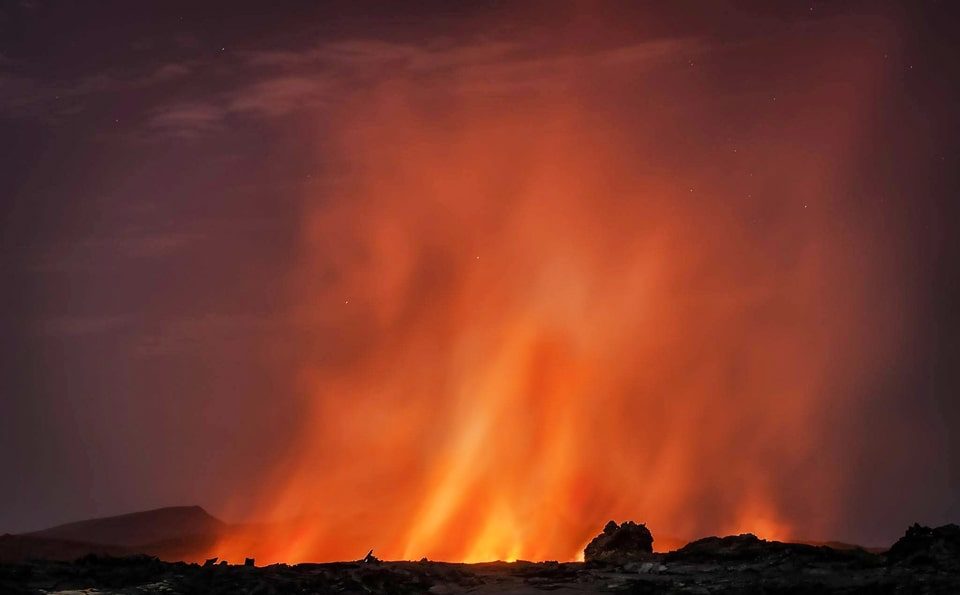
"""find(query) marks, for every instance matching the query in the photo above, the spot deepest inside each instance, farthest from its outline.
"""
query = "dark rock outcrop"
(923, 546)
(620, 544)
(621, 560)
(370, 558)
(731, 548)
(750, 549)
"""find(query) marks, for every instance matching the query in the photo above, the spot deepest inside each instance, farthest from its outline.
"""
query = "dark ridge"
(620, 558)
(139, 528)
(748, 548)
(923, 546)
(619, 544)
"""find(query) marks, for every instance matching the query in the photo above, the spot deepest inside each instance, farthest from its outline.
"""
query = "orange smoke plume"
(555, 290)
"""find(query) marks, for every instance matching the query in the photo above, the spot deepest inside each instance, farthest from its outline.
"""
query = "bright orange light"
(555, 318)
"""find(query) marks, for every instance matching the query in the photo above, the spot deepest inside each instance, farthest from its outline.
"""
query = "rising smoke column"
(558, 288)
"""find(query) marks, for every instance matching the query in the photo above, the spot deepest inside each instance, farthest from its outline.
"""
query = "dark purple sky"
(153, 164)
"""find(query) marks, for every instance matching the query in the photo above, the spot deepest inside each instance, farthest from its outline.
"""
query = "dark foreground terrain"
(923, 561)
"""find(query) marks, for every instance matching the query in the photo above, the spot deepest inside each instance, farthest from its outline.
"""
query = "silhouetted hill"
(173, 533)
(139, 528)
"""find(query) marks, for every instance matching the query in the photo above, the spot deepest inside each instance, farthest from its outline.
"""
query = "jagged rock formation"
(621, 559)
(620, 544)
(923, 546)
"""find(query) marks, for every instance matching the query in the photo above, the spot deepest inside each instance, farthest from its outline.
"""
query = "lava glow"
(551, 295)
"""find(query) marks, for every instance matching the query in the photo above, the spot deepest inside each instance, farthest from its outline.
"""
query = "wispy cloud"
(22, 95)
(282, 95)
(274, 83)
(271, 83)
(186, 119)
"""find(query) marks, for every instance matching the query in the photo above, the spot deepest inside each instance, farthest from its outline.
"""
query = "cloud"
(271, 83)
(288, 81)
(279, 96)
(186, 119)
(164, 73)
(28, 96)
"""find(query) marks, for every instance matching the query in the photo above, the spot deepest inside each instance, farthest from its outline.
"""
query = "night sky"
(232, 232)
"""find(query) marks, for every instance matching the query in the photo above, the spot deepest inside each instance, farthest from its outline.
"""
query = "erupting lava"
(534, 320)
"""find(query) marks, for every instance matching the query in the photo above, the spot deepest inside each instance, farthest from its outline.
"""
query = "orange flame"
(537, 317)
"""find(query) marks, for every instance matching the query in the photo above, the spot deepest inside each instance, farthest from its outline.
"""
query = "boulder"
(620, 544)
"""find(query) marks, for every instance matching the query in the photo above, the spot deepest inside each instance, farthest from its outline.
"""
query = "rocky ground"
(924, 561)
